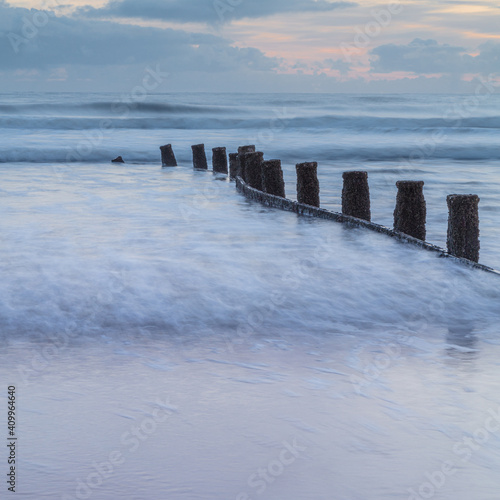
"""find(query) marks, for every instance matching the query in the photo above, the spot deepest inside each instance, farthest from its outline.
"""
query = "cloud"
(338, 64)
(210, 11)
(430, 57)
(34, 39)
(488, 60)
(419, 56)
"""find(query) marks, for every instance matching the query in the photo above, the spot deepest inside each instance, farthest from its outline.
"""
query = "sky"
(249, 45)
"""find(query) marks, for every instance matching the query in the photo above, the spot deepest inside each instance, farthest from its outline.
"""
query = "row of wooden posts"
(409, 214)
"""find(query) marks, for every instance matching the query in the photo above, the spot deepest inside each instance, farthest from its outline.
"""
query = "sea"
(166, 338)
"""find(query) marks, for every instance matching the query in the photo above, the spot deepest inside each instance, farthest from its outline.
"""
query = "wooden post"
(199, 157)
(272, 178)
(241, 151)
(244, 158)
(234, 165)
(246, 149)
(463, 226)
(410, 212)
(356, 195)
(307, 183)
(253, 169)
(167, 156)
(219, 160)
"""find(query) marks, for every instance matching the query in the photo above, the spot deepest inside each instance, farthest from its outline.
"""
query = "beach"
(171, 339)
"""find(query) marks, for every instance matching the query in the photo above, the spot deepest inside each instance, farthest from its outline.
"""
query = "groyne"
(254, 176)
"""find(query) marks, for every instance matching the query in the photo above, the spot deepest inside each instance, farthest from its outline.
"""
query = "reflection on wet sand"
(461, 340)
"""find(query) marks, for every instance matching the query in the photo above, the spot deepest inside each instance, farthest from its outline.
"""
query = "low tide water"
(170, 339)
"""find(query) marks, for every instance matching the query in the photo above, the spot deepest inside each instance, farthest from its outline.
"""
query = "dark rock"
(272, 178)
(307, 183)
(356, 195)
(410, 212)
(118, 159)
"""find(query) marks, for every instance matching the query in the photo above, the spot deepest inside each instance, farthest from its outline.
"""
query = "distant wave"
(289, 155)
(88, 123)
(323, 123)
(110, 107)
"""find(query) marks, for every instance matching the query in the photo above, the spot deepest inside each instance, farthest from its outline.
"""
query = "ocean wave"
(323, 123)
(409, 155)
(110, 107)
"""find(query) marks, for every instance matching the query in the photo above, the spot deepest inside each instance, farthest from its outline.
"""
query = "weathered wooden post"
(253, 169)
(244, 159)
(199, 157)
(241, 151)
(356, 195)
(410, 212)
(234, 165)
(167, 156)
(219, 160)
(307, 183)
(246, 149)
(272, 178)
(463, 226)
